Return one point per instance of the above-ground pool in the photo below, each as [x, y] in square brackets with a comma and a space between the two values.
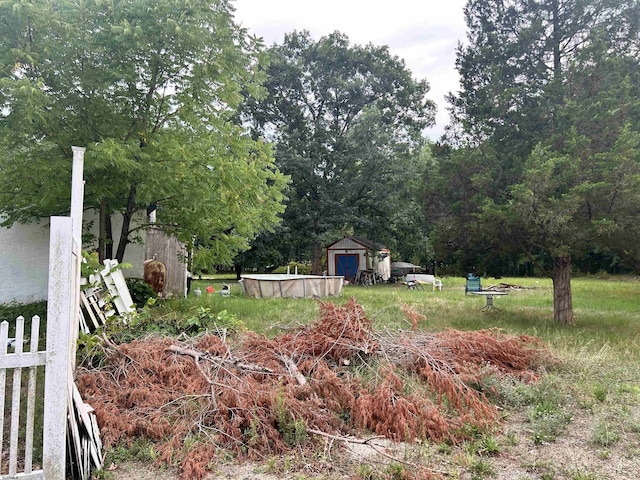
[290, 286]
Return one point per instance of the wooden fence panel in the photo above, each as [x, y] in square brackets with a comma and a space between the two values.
[170, 251]
[117, 287]
[61, 312]
[61, 398]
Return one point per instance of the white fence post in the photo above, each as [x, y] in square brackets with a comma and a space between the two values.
[77, 202]
[4, 333]
[77, 192]
[58, 364]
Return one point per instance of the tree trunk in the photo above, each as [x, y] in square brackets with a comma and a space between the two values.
[562, 303]
[557, 64]
[105, 233]
[102, 232]
[126, 224]
[108, 248]
[124, 236]
[316, 259]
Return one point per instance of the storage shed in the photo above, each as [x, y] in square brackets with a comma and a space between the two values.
[348, 256]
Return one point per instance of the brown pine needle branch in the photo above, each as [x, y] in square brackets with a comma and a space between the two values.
[416, 385]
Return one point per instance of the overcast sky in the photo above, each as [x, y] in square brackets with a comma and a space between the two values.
[424, 33]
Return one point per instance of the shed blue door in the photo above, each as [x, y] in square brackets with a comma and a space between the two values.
[347, 265]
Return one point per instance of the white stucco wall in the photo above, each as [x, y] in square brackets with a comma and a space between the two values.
[24, 261]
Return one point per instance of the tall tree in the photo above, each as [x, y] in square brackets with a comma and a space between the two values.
[530, 74]
[150, 88]
[514, 62]
[566, 202]
[345, 119]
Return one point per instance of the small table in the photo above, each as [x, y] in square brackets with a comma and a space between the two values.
[488, 294]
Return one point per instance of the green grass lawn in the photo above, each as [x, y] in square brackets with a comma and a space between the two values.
[584, 408]
[581, 413]
[607, 311]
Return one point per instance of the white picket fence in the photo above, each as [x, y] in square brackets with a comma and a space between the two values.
[57, 359]
[32, 359]
[18, 353]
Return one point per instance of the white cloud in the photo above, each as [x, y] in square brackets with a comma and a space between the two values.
[424, 33]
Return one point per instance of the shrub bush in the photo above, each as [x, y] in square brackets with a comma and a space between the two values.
[140, 291]
[10, 311]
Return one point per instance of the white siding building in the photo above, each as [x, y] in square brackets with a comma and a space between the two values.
[24, 261]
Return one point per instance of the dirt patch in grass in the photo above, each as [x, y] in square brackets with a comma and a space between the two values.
[573, 455]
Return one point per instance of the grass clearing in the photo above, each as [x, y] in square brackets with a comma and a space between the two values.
[606, 310]
[583, 413]
[580, 421]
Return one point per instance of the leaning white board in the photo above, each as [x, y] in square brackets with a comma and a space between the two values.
[114, 280]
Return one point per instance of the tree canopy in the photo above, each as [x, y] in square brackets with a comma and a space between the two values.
[547, 127]
[151, 90]
[347, 123]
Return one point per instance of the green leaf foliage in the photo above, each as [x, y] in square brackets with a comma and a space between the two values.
[151, 89]
[544, 129]
[347, 123]
[542, 163]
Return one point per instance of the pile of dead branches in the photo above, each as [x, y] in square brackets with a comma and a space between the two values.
[257, 397]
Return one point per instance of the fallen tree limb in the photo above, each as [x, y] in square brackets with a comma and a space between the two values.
[219, 360]
[362, 441]
[293, 368]
[378, 450]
